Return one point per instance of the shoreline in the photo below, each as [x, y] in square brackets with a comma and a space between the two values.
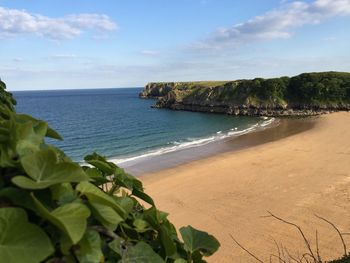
[275, 130]
[294, 177]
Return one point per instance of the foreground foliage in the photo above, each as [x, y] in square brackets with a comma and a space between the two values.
[55, 210]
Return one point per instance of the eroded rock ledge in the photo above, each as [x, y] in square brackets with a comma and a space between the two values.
[302, 95]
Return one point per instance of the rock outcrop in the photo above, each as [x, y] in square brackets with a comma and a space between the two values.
[156, 90]
[305, 94]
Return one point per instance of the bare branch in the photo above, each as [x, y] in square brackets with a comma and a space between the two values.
[301, 233]
[305, 255]
[317, 249]
[339, 233]
[291, 257]
[246, 250]
[278, 251]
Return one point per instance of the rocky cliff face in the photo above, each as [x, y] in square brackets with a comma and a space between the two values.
[156, 90]
[306, 94]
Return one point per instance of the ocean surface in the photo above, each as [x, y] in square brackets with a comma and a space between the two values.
[119, 125]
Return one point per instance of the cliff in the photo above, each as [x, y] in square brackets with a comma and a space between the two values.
[305, 94]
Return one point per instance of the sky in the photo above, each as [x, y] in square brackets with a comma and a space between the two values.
[76, 44]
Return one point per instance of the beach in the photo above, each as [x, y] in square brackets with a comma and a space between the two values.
[294, 177]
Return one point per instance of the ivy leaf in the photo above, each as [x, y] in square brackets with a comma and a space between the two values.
[200, 241]
[141, 253]
[44, 171]
[118, 245]
[141, 225]
[96, 176]
[71, 218]
[28, 136]
[21, 240]
[18, 197]
[63, 193]
[53, 134]
[100, 162]
[126, 180]
[143, 196]
[89, 248]
[96, 195]
[108, 217]
[49, 131]
[125, 202]
[168, 243]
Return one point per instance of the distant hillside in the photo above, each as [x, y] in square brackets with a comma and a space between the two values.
[305, 94]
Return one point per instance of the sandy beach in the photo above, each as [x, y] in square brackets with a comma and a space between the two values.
[294, 177]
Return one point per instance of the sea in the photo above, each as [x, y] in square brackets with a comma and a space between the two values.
[117, 124]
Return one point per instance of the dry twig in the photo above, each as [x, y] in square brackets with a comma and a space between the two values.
[339, 233]
[307, 243]
[246, 250]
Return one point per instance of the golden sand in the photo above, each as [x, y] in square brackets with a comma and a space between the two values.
[294, 178]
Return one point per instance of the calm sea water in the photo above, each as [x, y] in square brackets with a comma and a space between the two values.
[119, 125]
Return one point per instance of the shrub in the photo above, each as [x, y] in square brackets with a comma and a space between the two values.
[53, 209]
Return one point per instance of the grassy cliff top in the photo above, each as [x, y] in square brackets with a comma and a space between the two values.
[312, 89]
[207, 83]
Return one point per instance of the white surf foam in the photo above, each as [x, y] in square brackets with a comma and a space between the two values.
[195, 142]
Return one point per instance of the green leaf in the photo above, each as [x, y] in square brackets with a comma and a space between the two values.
[53, 134]
[100, 162]
[168, 243]
[49, 131]
[143, 196]
[196, 240]
[126, 180]
[108, 217]
[71, 218]
[141, 225]
[28, 136]
[18, 197]
[180, 260]
[63, 193]
[151, 215]
[96, 176]
[44, 171]
[89, 248]
[141, 253]
[118, 245]
[20, 240]
[96, 195]
[103, 166]
[125, 202]
[155, 217]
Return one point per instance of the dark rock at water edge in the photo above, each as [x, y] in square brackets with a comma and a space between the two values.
[303, 95]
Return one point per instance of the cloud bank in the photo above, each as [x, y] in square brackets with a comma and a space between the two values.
[14, 22]
[277, 23]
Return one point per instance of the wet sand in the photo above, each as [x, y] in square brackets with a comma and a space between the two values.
[294, 177]
[281, 128]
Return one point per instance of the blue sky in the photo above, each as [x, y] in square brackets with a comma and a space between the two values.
[105, 44]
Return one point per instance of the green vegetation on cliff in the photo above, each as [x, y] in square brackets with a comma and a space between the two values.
[55, 210]
[325, 91]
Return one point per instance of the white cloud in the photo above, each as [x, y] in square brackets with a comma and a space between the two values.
[277, 23]
[15, 22]
[64, 56]
[111, 75]
[149, 52]
[17, 59]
